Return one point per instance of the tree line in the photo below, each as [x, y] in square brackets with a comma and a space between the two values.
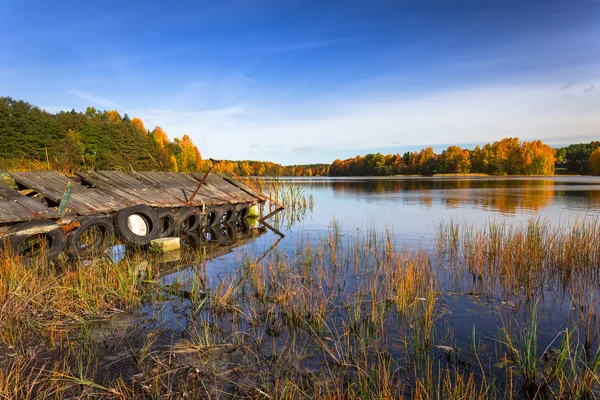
[67, 141]
[33, 138]
[36, 139]
[506, 157]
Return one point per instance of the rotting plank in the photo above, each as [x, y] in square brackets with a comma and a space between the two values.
[11, 212]
[134, 187]
[217, 183]
[84, 201]
[224, 185]
[184, 186]
[33, 208]
[247, 189]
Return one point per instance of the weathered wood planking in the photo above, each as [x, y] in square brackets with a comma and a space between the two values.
[83, 201]
[211, 192]
[247, 189]
[15, 207]
[134, 188]
[235, 194]
[183, 186]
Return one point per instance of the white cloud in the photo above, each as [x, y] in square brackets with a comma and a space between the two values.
[480, 115]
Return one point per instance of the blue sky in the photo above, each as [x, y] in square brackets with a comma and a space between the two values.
[303, 81]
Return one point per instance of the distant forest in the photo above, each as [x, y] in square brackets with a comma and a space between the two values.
[32, 138]
[506, 157]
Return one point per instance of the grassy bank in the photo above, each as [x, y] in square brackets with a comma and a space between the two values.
[335, 316]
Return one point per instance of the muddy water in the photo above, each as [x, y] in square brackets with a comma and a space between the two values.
[406, 210]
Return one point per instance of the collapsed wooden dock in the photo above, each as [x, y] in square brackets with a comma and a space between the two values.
[166, 202]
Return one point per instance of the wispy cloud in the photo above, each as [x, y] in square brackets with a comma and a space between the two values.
[461, 117]
[304, 149]
[98, 100]
[310, 45]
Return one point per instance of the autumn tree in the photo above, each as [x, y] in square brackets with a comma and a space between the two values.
[114, 116]
[139, 126]
[594, 162]
[455, 160]
[190, 159]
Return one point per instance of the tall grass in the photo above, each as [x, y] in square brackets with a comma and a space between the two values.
[332, 317]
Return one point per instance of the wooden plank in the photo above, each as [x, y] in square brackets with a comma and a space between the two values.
[84, 201]
[182, 186]
[13, 212]
[216, 183]
[135, 188]
[91, 179]
[36, 209]
[246, 189]
[230, 189]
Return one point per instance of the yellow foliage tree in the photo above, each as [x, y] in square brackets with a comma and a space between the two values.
[160, 136]
[595, 162]
[114, 116]
[139, 125]
[173, 162]
[190, 156]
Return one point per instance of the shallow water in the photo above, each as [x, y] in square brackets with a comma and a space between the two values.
[410, 210]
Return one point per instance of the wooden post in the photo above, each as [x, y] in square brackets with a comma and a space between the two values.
[189, 202]
[62, 208]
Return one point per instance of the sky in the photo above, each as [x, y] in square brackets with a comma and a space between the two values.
[298, 82]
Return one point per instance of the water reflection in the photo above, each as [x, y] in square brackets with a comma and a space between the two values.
[507, 196]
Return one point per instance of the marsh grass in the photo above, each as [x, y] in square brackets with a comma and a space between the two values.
[332, 317]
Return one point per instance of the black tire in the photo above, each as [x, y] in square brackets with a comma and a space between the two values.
[228, 213]
[24, 239]
[212, 234]
[213, 216]
[187, 219]
[193, 240]
[166, 222]
[78, 243]
[123, 229]
[223, 235]
[242, 211]
[243, 227]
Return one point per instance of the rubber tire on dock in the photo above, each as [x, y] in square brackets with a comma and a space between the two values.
[213, 216]
[242, 211]
[187, 219]
[124, 232]
[16, 235]
[243, 227]
[102, 223]
[166, 221]
[228, 214]
[226, 234]
[193, 240]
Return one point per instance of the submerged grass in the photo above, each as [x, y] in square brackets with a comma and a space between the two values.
[333, 317]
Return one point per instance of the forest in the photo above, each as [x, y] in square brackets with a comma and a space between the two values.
[506, 157]
[69, 140]
[34, 139]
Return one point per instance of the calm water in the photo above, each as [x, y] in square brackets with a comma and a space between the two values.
[411, 209]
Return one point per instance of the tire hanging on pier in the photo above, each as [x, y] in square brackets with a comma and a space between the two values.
[166, 221]
[228, 214]
[187, 219]
[35, 238]
[242, 211]
[213, 216]
[136, 225]
[93, 235]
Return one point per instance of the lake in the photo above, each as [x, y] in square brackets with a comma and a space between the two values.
[484, 262]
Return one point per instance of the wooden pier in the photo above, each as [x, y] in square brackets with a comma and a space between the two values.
[165, 202]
